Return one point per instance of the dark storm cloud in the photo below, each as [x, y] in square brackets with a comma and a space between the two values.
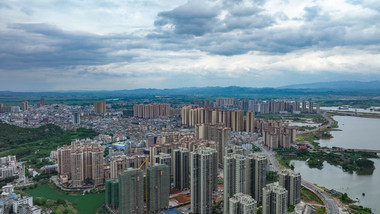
[244, 29]
[195, 26]
[42, 45]
[191, 18]
[200, 18]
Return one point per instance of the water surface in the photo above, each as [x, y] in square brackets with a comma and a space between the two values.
[357, 133]
[354, 185]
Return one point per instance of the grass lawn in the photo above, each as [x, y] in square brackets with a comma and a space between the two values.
[88, 203]
[309, 196]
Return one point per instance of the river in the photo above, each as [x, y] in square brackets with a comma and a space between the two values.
[357, 133]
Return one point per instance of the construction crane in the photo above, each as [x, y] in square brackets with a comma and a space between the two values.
[146, 181]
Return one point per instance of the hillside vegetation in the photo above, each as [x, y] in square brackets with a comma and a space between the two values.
[27, 143]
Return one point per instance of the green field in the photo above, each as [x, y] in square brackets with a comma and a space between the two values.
[88, 203]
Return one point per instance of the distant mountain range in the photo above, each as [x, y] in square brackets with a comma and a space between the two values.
[338, 85]
[345, 88]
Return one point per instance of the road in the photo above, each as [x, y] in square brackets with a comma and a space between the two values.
[329, 124]
[331, 205]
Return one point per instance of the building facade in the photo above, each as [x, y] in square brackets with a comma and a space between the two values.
[242, 204]
[275, 200]
[181, 167]
[291, 181]
[100, 107]
[202, 179]
[158, 188]
[131, 192]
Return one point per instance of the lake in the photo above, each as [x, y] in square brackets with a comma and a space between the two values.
[357, 133]
[354, 185]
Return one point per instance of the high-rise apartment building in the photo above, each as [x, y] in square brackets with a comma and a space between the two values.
[151, 110]
[24, 105]
[158, 188]
[291, 181]
[82, 163]
[42, 101]
[166, 159]
[250, 122]
[181, 167]
[276, 135]
[256, 170]
[234, 177]
[203, 164]
[205, 103]
[237, 120]
[247, 105]
[167, 148]
[224, 102]
[296, 106]
[311, 106]
[100, 107]
[275, 200]
[131, 192]
[112, 194]
[318, 108]
[63, 157]
[242, 204]
[218, 132]
[76, 117]
[192, 116]
[304, 108]
[120, 163]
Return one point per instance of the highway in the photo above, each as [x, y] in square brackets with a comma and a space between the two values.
[331, 205]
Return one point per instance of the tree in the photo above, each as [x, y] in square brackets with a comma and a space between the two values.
[106, 152]
[365, 163]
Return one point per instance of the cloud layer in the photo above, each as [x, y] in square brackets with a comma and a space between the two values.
[55, 45]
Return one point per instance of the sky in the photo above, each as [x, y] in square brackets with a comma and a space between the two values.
[53, 45]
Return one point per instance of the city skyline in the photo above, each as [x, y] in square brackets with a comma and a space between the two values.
[140, 44]
[197, 156]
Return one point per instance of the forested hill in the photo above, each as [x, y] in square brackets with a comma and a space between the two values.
[26, 143]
